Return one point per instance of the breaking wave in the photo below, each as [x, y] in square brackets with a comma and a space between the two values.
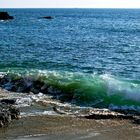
[102, 91]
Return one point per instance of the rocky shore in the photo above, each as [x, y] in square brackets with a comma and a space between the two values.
[18, 85]
[99, 124]
[7, 113]
[28, 85]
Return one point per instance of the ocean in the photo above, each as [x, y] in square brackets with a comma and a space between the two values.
[85, 57]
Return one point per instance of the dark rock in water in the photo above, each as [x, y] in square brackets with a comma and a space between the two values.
[21, 85]
[36, 86]
[5, 79]
[107, 114]
[136, 121]
[35, 91]
[44, 89]
[66, 97]
[8, 101]
[14, 112]
[48, 17]
[4, 118]
[7, 113]
[5, 16]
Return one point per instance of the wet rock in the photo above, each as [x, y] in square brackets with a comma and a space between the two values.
[48, 17]
[8, 86]
[107, 114]
[14, 112]
[35, 91]
[44, 89]
[7, 114]
[4, 118]
[5, 79]
[53, 91]
[16, 83]
[36, 86]
[22, 85]
[137, 121]
[58, 110]
[8, 101]
[65, 97]
[5, 16]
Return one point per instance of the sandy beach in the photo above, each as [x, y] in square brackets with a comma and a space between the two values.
[63, 127]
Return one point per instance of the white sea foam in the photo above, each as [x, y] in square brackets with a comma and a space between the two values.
[24, 101]
[128, 90]
[38, 113]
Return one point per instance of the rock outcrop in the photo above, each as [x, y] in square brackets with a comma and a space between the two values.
[5, 16]
[8, 112]
[48, 17]
[23, 84]
[107, 114]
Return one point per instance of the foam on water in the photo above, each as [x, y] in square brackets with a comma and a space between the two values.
[26, 114]
[128, 89]
[83, 89]
[24, 101]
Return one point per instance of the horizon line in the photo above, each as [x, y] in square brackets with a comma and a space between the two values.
[68, 8]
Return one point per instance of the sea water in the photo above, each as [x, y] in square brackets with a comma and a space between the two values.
[90, 54]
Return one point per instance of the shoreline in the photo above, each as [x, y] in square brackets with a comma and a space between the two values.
[99, 125]
[65, 127]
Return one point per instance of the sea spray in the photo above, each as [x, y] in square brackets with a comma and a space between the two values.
[102, 91]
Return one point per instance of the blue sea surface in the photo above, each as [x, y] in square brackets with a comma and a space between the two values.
[92, 55]
[77, 40]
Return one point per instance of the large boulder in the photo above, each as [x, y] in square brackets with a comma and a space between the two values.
[5, 16]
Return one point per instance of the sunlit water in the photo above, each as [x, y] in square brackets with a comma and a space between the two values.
[91, 53]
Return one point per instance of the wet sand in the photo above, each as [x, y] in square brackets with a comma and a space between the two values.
[63, 127]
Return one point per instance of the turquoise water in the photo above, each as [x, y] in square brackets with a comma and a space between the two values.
[92, 55]
[102, 91]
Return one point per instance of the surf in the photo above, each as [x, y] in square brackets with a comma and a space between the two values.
[94, 90]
